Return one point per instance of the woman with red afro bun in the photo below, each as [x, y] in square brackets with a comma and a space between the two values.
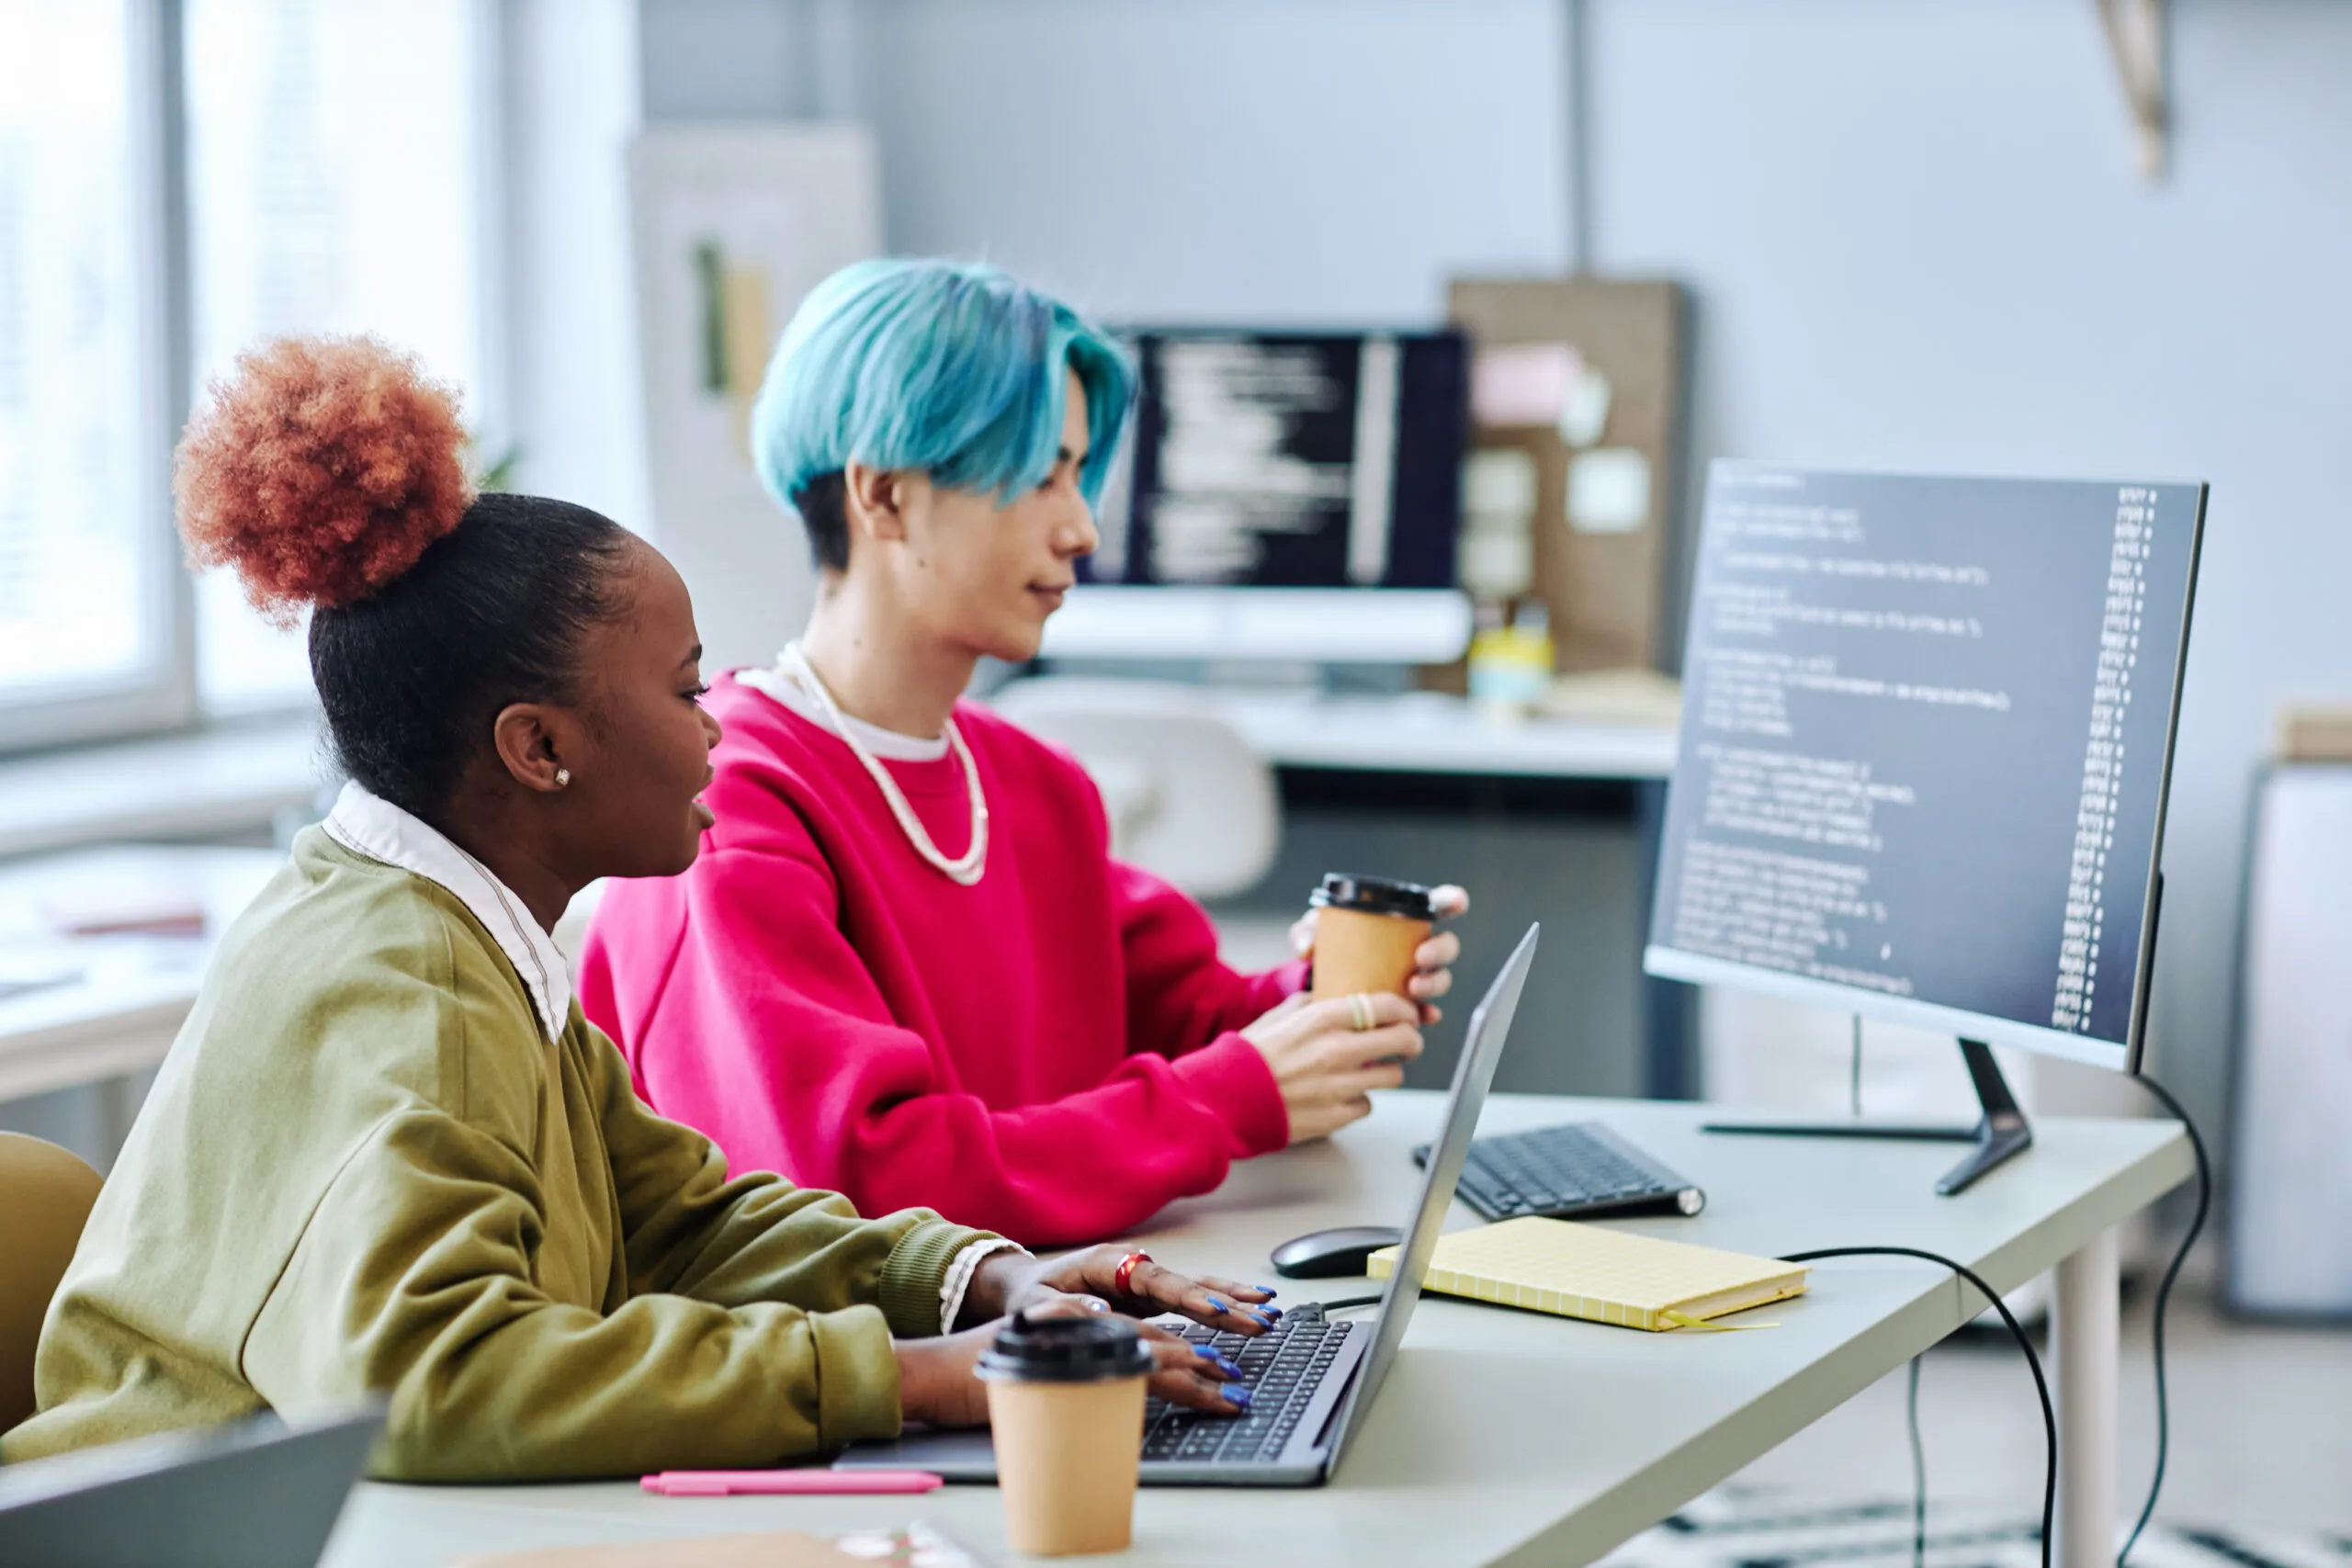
[386, 1155]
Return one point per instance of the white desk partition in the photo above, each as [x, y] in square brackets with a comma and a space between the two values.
[1508, 1436]
[2289, 1252]
[1412, 625]
[1429, 732]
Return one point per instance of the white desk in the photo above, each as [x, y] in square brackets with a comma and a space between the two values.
[1509, 1436]
[126, 995]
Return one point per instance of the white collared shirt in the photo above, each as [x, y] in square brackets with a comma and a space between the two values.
[367, 824]
[777, 684]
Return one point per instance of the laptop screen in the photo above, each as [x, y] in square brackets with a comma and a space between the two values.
[1482, 1047]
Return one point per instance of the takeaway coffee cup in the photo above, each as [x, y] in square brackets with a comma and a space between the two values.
[1066, 1404]
[1366, 931]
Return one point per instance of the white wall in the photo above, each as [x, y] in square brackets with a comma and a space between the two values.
[1298, 159]
[1914, 234]
[570, 101]
[1917, 242]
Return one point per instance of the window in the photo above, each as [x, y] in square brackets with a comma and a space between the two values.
[85, 595]
[332, 160]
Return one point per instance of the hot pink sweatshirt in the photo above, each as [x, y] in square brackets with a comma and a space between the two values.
[1047, 1054]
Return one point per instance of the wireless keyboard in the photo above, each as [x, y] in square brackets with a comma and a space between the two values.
[1566, 1173]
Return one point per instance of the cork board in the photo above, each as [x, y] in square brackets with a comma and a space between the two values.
[1607, 592]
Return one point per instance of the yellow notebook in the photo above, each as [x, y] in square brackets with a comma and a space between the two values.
[1606, 1276]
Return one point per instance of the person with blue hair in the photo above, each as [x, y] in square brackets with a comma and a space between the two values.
[905, 965]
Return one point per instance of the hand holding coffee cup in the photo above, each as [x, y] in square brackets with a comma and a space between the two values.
[1373, 935]
[1327, 1057]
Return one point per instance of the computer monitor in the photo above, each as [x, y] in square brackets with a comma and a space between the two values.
[1926, 736]
[1291, 496]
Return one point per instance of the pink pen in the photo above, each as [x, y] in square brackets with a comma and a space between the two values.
[787, 1482]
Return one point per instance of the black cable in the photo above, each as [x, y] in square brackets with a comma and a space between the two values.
[1919, 1474]
[2164, 1295]
[1346, 1301]
[2016, 1332]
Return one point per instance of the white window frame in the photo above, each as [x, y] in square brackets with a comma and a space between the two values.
[164, 696]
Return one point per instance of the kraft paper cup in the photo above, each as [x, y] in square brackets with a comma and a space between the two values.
[1366, 931]
[1065, 1401]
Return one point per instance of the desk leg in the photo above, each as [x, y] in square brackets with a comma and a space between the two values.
[2086, 1334]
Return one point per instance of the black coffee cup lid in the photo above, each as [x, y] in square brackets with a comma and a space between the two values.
[1374, 896]
[1066, 1349]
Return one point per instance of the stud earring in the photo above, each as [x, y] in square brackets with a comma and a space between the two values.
[563, 778]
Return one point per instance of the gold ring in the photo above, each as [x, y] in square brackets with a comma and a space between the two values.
[1360, 1011]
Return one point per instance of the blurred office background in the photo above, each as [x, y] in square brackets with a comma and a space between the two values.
[1933, 237]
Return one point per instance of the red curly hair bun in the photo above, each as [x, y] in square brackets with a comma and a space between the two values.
[321, 469]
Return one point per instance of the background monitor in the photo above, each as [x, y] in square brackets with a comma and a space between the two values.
[1927, 736]
[1272, 481]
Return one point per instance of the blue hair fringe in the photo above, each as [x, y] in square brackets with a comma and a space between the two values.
[953, 369]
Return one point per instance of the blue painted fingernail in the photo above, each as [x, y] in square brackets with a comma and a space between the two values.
[1266, 1291]
[1231, 1368]
[1208, 1353]
[1235, 1394]
[1261, 1317]
[1219, 1305]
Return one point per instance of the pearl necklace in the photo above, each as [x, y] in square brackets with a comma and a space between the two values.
[965, 869]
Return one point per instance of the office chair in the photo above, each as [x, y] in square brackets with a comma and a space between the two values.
[1188, 799]
[46, 1193]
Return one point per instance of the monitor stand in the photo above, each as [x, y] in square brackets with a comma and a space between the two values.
[2000, 1135]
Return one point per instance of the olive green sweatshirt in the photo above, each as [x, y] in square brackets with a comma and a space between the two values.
[377, 1160]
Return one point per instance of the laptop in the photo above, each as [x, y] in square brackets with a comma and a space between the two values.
[1315, 1378]
[260, 1493]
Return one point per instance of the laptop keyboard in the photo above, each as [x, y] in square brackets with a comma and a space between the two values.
[1566, 1170]
[1281, 1369]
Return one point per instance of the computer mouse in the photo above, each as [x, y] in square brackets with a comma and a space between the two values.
[1322, 1254]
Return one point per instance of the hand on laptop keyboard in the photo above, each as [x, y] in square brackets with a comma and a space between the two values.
[1014, 1281]
[937, 1383]
[1281, 1370]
